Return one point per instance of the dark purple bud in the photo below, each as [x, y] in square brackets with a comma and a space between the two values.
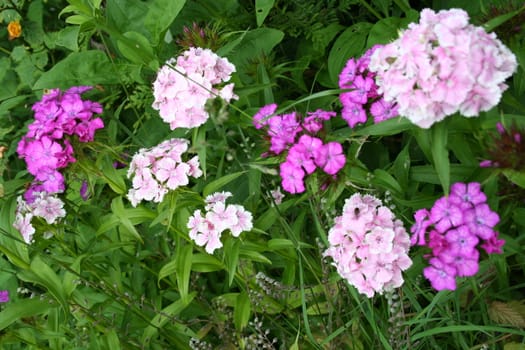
[84, 190]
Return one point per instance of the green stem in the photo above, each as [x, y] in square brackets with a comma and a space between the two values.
[6, 51]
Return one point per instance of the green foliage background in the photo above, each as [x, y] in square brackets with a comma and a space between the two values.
[118, 277]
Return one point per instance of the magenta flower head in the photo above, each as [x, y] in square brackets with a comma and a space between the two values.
[457, 226]
[440, 275]
[330, 157]
[46, 148]
[292, 178]
[260, 119]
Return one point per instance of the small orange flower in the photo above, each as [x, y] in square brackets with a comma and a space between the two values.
[14, 29]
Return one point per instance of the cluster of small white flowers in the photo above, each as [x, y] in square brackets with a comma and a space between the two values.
[44, 205]
[185, 83]
[159, 169]
[369, 245]
[206, 230]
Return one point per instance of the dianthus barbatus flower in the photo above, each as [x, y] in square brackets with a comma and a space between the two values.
[157, 170]
[456, 225]
[369, 246]
[46, 147]
[185, 83]
[442, 65]
[206, 229]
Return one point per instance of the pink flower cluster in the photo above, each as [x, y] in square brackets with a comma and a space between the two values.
[369, 245]
[456, 225]
[185, 83]
[306, 152]
[443, 65]
[45, 148]
[44, 205]
[159, 169]
[206, 230]
[363, 95]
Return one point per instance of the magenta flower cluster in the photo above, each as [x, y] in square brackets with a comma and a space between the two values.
[206, 230]
[184, 85]
[46, 148]
[443, 65]
[369, 246]
[157, 170]
[364, 94]
[44, 205]
[306, 152]
[453, 229]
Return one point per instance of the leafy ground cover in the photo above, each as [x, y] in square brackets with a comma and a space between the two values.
[262, 174]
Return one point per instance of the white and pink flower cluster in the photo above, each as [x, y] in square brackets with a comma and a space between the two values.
[206, 230]
[159, 169]
[369, 246]
[443, 65]
[184, 85]
[44, 205]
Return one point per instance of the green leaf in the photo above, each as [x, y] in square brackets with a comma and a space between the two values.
[387, 181]
[117, 207]
[70, 278]
[260, 41]
[136, 48]
[68, 38]
[112, 340]
[242, 310]
[254, 256]
[183, 269]
[497, 21]
[384, 31]
[22, 308]
[135, 215]
[79, 68]
[40, 273]
[385, 128]
[113, 178]
[216, 185]
[262, 9]
[280, 243]
[439, 136]
[232, 248]
[350, 43]
[161, 13]
[199, 143]
[206, 263]
[516, 177]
